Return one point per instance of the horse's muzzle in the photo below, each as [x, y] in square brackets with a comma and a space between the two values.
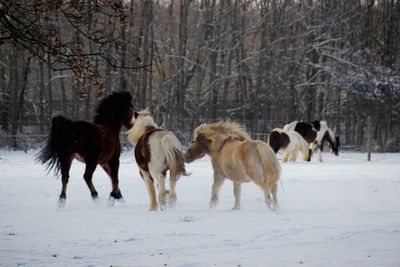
[187, 158]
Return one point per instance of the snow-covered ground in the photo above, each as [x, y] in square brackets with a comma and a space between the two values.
[342, 212]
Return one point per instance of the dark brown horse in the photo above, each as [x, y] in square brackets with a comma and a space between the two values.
[93, 143]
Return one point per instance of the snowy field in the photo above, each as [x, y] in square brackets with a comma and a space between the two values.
[342, 212]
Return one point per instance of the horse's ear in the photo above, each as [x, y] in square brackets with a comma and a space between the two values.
[135, 115]
[128, 95]
[148, 109]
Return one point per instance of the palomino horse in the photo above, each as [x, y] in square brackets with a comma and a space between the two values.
[93, 143]
[156, 151]
[290, 143]
[316, 134]
[236, 157]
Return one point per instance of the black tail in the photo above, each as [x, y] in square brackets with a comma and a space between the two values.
[58, 147]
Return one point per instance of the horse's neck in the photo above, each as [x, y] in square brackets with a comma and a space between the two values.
[140, 129]
[326, 137]
[331, 139]
[115, 129]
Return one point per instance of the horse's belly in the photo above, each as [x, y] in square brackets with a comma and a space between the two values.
[240, 179]
[236, 175]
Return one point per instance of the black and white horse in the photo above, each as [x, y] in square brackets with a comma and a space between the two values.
[316, 134]
[290, 143]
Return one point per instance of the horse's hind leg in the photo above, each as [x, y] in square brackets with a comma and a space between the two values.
[161, 190]
[111, 169]
[274, 192]
[88, 175]
[150, 189]
[172, 193]
[116, 192]
[267, 192]
[65, 167]
[218, 181]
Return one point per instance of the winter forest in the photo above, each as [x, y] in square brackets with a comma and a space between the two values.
[263, 63]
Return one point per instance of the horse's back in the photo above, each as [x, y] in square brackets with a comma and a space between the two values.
[290, 126]
[164, 145]
[241, 160]
[95, 142]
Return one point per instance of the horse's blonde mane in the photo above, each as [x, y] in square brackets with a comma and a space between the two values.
[141, 124]
[228, 129]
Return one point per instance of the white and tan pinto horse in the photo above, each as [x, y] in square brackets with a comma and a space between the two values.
[236, 157]
[290, 143]
[316, 134]
[156, 151]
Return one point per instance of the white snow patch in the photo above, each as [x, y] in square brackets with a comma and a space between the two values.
[342, 212]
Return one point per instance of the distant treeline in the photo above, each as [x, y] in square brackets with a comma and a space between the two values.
[263, 63]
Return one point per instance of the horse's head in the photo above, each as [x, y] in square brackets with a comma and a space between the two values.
[126, 108]
[335, 146]
[126, 120]
[278, 140]
[142, 115]
[198, 148]
[115, 109]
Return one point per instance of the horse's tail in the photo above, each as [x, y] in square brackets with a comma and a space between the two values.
[58, 144]
[269, 162]
[173, 155]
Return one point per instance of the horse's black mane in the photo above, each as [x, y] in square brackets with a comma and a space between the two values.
[113, 108]
[303, 128]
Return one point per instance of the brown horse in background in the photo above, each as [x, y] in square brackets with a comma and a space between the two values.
[93, 143]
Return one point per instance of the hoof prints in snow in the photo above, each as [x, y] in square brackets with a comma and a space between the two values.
[188, 219]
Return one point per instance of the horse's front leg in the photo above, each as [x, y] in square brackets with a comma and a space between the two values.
[274, 192]
[285, 157]
[292, 156]
[316, 146]
[236, 191]
[218, 181]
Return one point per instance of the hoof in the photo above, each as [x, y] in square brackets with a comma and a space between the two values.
[171, 204]
[271, 206]
[111, 201]
[94, 195]
[153, 208]
[236, 208]
[121, 200]
[212, 205]
[95, 200]
[163, 206]
[61, 203]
